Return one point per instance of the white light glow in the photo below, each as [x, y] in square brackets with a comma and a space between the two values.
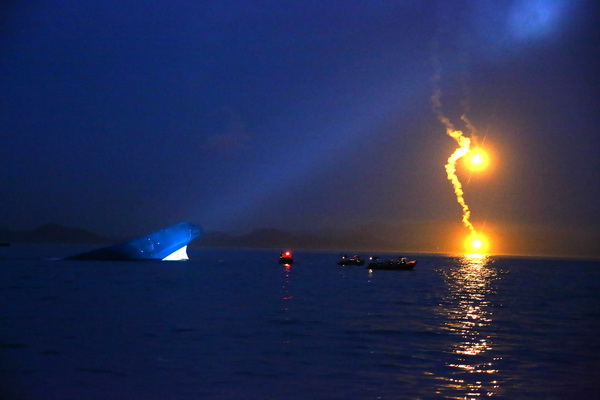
[177, 255]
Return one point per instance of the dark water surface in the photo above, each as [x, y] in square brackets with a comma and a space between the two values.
[234, 324]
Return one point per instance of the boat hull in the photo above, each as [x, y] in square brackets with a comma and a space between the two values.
[350, 262]
[393, 265]
[167, 244]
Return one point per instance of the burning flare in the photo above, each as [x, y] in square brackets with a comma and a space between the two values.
[476, 244]
[478, 161]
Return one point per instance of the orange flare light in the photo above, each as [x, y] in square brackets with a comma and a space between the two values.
[477, 160]
[476, 244]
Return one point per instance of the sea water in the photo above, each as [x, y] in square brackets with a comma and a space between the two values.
[235, 324]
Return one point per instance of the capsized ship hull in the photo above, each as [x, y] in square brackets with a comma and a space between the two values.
[168, 244]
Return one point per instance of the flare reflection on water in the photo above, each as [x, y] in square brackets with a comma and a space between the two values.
[285, 290]
[467, 315]
[286, 299]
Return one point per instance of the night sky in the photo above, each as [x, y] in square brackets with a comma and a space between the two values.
[123, 117]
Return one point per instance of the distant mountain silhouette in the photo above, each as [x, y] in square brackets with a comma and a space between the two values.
[437, 237]
[407, 237]
[276, 238]
[51, 233]
[374, 237]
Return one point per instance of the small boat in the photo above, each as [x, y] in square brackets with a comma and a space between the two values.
[354, 260]
[285, 257]
[400, 265]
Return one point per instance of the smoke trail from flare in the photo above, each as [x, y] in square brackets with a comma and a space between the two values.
[464, 147]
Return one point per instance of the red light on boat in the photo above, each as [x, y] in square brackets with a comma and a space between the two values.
[288, 253]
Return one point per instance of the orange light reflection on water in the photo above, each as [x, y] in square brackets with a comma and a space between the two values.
[467, 314]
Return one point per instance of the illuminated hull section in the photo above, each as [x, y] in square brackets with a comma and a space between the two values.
[168, 244]
[178, 255]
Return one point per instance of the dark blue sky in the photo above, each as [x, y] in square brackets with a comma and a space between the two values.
[126, 116]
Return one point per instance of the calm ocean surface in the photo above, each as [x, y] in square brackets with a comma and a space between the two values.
[234, 324]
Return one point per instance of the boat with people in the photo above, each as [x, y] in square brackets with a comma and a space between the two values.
[354, 260]
[285, 257]
[400, 264]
